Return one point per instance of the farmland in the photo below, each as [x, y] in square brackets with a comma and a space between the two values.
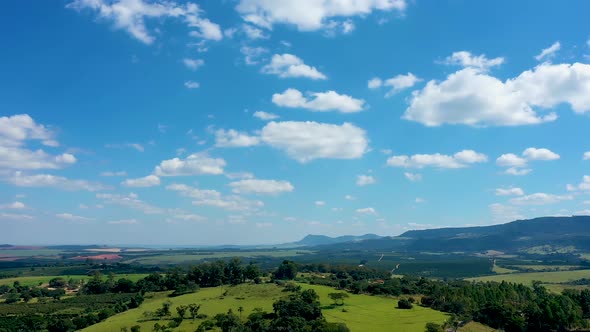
[544, 277]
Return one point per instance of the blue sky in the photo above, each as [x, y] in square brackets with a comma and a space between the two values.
[259, 121]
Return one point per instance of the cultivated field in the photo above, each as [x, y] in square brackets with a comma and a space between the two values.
[34, 281]
[379, 313]
[544, 277]
[163, 259]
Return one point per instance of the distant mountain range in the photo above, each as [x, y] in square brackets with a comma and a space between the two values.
[533, 234]
[316, 240]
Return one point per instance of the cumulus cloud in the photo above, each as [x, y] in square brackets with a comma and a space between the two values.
[116, 173]
[131, 201]
[306, 141]
[72, 217]
[20, 179]
[319, 203]
[123, 222]
[473, 98]
[265, 116]
[256, 186]
[135, 146]
[312, 15]
[548, 52]
[319, 101]
[233, 138]
[582, 186]
[509, 192]
[517, 165]
[193, 64]
[540, 199]
[467, 60]
[194, 164]
[364, 180]
[586, 155]
[459, 160]
[396, 83]
[367, 210]
[289, 65]
[253, 32]
[14, 205]
[191, 85]
[146, 181]
[131, 16]
[252, 55]
[213, 198]
[414, 177]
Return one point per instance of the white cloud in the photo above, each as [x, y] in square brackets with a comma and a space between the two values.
[509, 192]
[374, 83]
[135, 146]
[71, 217]
[131, 201]
[233, 138]
[289, 65]
[458, 160]
[586, 155]
[540, 154]
[517, 164]
[367, 210]
[511, 160]
[14, 205]
[320, 101]
[21, 127]
[123, 222]
[504, 213]
[194, 164]
[517, 171]
[192, 85]
[252, 54]
[319, 203]
[540, 199]
[548, 52]
[213, 198]
[193, 64]
[256, 186]
[583, 186]
[46, 180]
[189, 217]
[476, 99]
[311, 15]
[130, 15]
[265, 116]
[364, 180]
[117, 173]
[419, 200]
[253, 32]
[239, 175]
[14, 216]
[306, 141]
[146, 181]
[414, 177]
[12, 157]
[263, 224]
[467, 60]
[349, 198]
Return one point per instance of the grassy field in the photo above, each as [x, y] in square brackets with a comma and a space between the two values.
[546, 267]
[363, 311]
[33, 281]
[545, 277]
[502, 270]
[29, 253]
[184, 257]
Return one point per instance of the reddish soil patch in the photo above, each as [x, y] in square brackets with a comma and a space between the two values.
[108, 257]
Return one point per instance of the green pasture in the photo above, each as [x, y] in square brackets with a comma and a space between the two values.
[544, 277]
[363, 312]
[166, 258]
[34, 281]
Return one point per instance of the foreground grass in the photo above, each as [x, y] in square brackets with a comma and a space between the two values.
[363, 312]
[34, 281]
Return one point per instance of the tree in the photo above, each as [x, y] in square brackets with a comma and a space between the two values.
[193, 308]
[338, 297]
[135, 328]
[164, 311]
[405, 303]
[240, 310]
[181, 310]
[286, 271]
[252, 271]
[433, 327]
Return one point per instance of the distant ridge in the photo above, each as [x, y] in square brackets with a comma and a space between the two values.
[518, 235]
[316, 240]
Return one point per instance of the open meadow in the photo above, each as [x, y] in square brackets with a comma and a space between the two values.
[380, 313]
[34, 281]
